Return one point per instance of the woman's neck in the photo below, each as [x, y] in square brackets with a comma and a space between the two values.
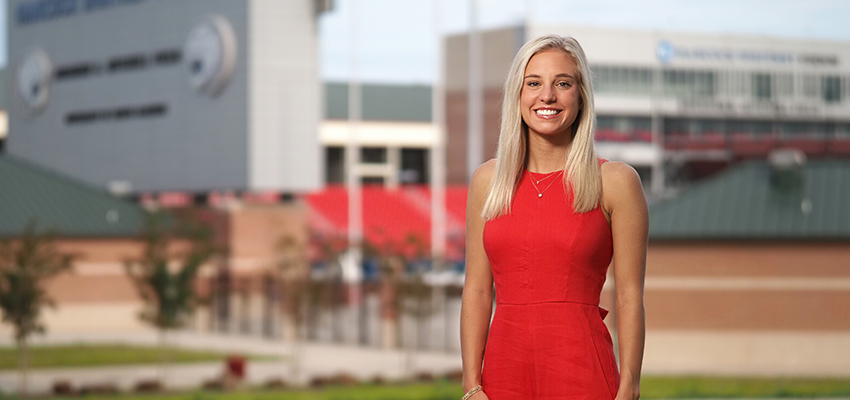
[545, 155]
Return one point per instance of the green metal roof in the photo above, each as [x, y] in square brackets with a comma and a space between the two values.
[72, 208]
[381, 102]
[749, 202]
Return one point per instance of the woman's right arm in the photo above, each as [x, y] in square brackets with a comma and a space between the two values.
[477, 302]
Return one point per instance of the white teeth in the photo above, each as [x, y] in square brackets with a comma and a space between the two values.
[546, 112]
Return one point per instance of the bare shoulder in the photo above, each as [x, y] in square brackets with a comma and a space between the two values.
[479, 185]
[620, 182]
[618, 173]
[485, 171]
[483, 175]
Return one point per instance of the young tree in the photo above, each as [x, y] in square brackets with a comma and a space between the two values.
[294, 272]
[402, 292]
[165, 278]
[25, 264]
[327, 293]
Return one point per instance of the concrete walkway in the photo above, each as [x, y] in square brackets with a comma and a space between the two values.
[317, 360]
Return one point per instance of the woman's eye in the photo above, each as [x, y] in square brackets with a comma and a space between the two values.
[533, 84]
[564, 84]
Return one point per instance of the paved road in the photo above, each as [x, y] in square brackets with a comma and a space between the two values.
[317, 360]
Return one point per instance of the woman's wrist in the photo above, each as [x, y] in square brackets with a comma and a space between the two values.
[470, 382]
[471, 392]
[629, 389]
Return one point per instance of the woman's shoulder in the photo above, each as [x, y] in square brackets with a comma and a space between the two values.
[480, 183]
[619, 180]
[616, 169]
[483, 175]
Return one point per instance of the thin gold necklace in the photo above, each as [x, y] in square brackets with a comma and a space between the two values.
[549, 175]
[539, 193]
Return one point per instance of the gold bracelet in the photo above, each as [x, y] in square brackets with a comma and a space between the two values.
[471, 392]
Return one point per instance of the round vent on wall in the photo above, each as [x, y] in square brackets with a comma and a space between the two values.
[210, 55]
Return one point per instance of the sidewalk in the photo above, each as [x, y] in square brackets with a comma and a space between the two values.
[317, 360]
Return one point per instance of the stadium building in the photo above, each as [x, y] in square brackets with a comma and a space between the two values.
[211, 102]
[142, 95]
[676, 106]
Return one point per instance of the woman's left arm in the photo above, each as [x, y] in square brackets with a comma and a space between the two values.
[625, 203]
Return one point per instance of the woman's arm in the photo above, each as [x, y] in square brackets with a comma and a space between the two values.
[476, 307]
[625, 203]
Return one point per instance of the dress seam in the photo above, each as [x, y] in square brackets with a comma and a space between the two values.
[548, 302]
[600, 358]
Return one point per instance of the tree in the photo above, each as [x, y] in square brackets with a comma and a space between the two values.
[327, 293]
[401, 291]
[25, 264]
[294, 271]
[168, 289]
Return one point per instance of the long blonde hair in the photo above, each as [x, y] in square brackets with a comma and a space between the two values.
[581, 169]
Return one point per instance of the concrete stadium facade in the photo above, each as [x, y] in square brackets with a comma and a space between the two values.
[142, 96]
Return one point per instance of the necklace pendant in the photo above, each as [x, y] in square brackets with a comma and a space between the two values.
[539, 194]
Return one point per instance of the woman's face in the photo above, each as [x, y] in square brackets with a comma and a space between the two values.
[550, 97]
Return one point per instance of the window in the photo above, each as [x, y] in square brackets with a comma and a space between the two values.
[810, 86]
[641, 123]
[846, 84]
[703, 126]
[831, 89]
[689, 83]
[414, 166]
[739, 127]
[785, 85]
[675, 127]
[373, 155]
[334, 165]
[704, 84]
[372, 180]
[762, 128]
[842, 131]
[621, 80]
[604, 122]
[762, 86]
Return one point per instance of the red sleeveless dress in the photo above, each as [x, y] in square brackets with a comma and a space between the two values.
[547, 339]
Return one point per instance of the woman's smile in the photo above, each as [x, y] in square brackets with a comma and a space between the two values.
[547, 113]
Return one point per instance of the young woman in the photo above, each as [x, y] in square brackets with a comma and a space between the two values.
[545, 218]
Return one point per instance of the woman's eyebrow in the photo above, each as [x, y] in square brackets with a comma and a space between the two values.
[557, 76]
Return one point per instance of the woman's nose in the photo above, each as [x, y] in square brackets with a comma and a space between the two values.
[547, 95]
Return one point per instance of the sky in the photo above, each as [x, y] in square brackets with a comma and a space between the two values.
[396, 40]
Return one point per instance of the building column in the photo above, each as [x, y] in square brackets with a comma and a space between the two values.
[393, 167]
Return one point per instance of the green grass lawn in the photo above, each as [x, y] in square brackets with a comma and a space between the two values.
[671, 387]
[652, 388]
[82, 355]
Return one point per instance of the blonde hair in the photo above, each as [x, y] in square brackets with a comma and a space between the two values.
[581, 169]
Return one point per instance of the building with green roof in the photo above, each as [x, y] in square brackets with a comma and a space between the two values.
[72, 208]
[748, 272]
[99, 228]
[756, 201]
